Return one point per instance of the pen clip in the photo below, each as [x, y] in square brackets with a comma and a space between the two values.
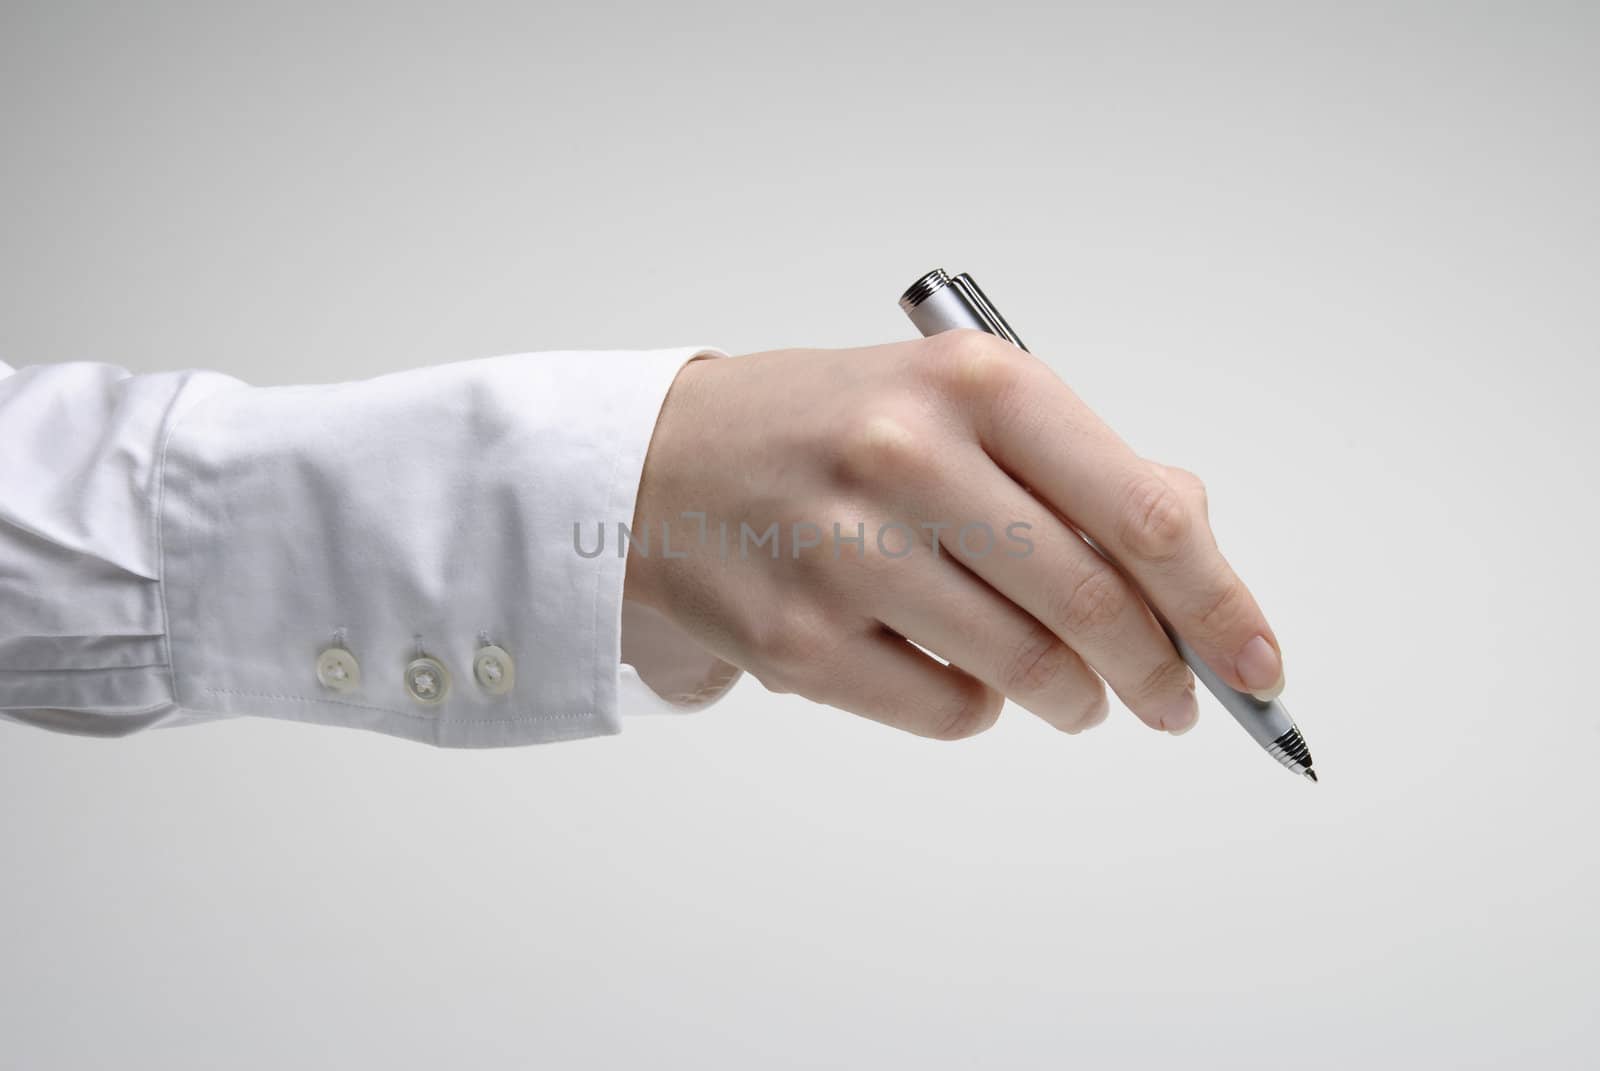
[980, 303]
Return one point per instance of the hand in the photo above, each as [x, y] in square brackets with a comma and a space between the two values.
[918, 448]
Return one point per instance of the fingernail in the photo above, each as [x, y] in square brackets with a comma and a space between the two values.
[1181, 716]
[1259, 666]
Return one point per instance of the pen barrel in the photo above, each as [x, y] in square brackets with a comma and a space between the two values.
[936, 302]
[1265, 722]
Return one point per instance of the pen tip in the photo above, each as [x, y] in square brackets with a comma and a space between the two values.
[1310, 773]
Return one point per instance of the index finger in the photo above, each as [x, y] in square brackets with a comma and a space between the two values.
[1040, 431]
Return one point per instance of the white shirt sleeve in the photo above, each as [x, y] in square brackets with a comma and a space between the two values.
[396, 554]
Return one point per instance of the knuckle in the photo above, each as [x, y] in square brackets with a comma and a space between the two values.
[1168, 677]
[976, 712]
[1037, 663]
[1223, 609]
[1185, 479]
[1091, 605]
[976, 363]
[965, 341]
[1194, 487]
[882, 447]
[1156, 522]
[1179, 475]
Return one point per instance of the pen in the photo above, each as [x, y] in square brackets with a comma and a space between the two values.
[937, 302]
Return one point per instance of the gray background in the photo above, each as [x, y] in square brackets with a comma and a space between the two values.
[1341, 260]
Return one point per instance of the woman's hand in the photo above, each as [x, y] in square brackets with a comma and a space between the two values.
[824, 507]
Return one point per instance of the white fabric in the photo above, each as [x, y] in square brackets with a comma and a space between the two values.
[181, 546]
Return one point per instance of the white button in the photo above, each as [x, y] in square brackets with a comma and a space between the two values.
[338, 670]
[494, 669]
[427, 680]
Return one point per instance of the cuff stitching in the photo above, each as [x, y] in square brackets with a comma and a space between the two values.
[443, 722]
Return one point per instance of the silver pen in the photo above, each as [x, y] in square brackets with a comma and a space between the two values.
[936, 302]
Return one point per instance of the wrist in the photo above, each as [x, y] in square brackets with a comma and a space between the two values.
[668, 462]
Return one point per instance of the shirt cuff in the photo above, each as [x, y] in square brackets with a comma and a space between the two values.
[425, 515]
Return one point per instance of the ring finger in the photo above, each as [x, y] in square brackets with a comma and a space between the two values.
[940, 606]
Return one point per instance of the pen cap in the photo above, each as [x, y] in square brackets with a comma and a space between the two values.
[936, 303]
